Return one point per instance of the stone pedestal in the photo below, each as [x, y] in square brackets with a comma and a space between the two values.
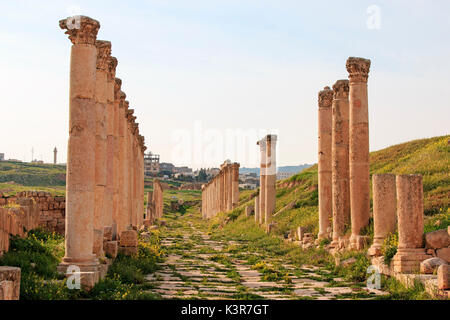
[384, 210]
[411, 251]
[324, 163]
[80, 179]
[358, 69]
[340, 167]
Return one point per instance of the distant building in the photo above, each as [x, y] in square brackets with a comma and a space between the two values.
[183, 170]
[284, 175]
[166, 167]
[2, 157]
[247, 186]
[151, 164]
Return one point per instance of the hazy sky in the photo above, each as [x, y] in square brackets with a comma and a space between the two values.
[204, 75]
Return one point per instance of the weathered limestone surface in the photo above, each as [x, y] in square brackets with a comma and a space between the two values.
[384, 209]
[158, 198]
[262, 180]
[9, 283]
[80, 180]
[324, 163]
[443, 273]
[358, 69]
[257, 210]
[340, 160]
[411, 251]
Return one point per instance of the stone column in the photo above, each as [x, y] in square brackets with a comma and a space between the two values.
[110, 114]
[117, 195]
[411, 251]
[271, 176]
[81, 147]
[229, 186]
[101, 95]
[221, 190]
[358, 69]
[384, 210]
[235, 185]
[257, 209]
[128, 170]
[339, 154]
[324, 162]
[121, 219]
[262, 180]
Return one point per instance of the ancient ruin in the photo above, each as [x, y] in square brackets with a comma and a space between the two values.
[222, 192]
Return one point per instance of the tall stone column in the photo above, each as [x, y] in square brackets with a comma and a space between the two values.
[411, 251]
[339, 154]
[271, 176]
[235, 185]
[324, 162]
[101, 95]
[203, 201]
[110, 114]
[128, 169]
[384, 210]
[221, 190]
[121, 218]
[117, 195]
[262, 180]
[80, 180]
[358, 69]
[229, 189]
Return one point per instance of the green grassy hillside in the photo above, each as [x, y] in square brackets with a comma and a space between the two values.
[429, 157]
[32, 174]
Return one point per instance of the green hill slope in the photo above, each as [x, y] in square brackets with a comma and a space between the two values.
[297, 197]
[32, 174]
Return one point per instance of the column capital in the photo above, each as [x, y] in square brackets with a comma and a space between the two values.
[103, 54]
[81, 29]
[271, 137]
[341, 89]
[325, 97]
[112, 64]
[358, 69]
[117, 87]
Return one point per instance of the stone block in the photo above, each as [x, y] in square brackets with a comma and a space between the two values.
[437, 239]
[111, 248]
[430, 265]
[147, 222]
[107, 233]
[129, 238]
[444, 254]
[98, 242]
[443, 274]
[9, 283]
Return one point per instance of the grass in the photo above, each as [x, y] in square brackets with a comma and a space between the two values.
[32, 174]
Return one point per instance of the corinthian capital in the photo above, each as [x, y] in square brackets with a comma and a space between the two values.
[341, 89]
[325, 97]
[103, 54]
[81, 29]
[117, 87]
[358, 69]
[112, 65]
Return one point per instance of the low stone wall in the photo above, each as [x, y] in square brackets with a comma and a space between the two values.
[52, 210]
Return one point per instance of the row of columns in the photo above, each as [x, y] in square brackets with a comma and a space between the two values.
[343, 159]
[105, 161]
[265, 201]
[222, 192]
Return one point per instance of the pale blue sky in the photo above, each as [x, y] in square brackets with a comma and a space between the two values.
[231, 65]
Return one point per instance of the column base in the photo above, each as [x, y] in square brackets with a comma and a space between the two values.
[323, 235]
[358, 242]
[90, 272]
[408, 260]
[375, 249]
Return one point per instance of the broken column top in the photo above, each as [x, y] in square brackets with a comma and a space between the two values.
[81, 29]
[325, 97]
[103, 54]
[358, 69]
[269, 137]
[341, 89]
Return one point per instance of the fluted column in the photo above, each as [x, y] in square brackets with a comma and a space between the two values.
[123, 176]
[81, 146]
[262, 180]
[229, 189]
[324, 162]
[340, 169]
[271, 176]
[117, 195]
